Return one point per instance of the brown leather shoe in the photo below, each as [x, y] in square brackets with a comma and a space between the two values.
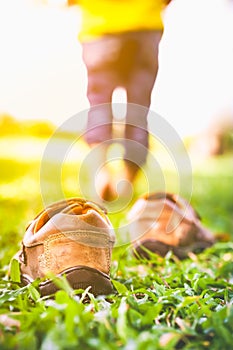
[162, 221]
[74, 238]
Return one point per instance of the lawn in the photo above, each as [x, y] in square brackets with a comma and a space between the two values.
[163, 303]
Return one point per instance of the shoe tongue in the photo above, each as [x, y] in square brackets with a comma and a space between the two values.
[74, 206]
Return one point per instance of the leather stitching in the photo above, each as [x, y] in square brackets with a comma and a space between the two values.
[67, 234]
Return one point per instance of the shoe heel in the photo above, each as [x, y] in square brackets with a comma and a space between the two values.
[81, 277]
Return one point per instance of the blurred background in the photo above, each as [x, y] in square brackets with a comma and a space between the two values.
[42, 75]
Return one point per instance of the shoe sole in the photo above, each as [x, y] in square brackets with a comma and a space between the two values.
[162, 249]
[79, 277]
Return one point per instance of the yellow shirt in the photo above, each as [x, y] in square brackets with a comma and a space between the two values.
[101, 17]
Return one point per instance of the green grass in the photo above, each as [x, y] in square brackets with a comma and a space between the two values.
[163, 303]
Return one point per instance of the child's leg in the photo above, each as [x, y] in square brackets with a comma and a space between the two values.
[139, 86]
[99, 59]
